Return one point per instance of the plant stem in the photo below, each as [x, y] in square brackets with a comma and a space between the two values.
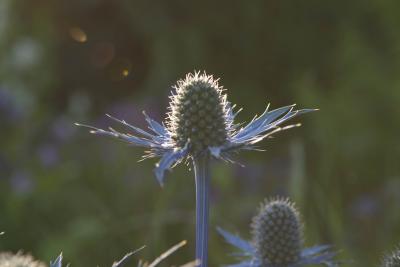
[202, 177]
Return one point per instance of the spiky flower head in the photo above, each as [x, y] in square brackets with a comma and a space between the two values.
[278, 240]
[392, 259]
[8, 259]
[198, 115]
[200, 120]
[277, 233]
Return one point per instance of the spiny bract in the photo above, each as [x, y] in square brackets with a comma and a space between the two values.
[392, 260]
[8, 259]
[198, 113]
[277, 233]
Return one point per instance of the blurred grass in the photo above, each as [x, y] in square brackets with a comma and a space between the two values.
[62, 189]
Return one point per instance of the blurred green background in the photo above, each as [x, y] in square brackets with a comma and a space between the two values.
[62, 189]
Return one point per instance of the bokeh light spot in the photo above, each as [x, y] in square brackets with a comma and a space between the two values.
[78, 34]
[120, 69]
[125, 72]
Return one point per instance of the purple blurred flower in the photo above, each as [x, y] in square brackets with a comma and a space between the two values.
[21, 182]
[365, 206]
[48, 155]
[9, 110]
[62, 129]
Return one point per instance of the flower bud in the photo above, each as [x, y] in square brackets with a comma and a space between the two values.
[277, 233]
[198, 113]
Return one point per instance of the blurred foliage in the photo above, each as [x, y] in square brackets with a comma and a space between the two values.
[67, 61]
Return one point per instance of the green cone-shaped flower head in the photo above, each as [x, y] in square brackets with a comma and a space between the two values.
[8, 259]
[277, 233]
[198, 113]
[392, 260]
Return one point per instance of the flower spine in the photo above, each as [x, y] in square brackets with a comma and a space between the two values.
[277, 233]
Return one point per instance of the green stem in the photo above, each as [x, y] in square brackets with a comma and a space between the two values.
[202, 177]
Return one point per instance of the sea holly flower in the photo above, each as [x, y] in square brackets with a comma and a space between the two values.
[277, 233]
[200, 125]
[200, 120]
[391, 259]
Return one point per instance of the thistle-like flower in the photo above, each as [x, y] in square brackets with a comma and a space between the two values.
[8, 259]
[200, 124]
[200, 120]
[392, 259]
[277, 233]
